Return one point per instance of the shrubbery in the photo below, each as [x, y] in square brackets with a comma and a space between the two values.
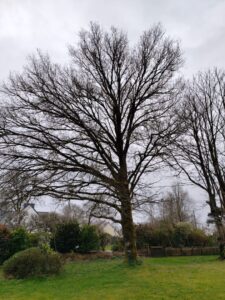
[117, 244]
[66, 237]
[70, 237]
[105, 239]
[89, 240]
[180, 235]
[34, 238]
[12, 242]
[19, 240]
[32, 262]
[38, 238]
[182, 232]
[4, 243]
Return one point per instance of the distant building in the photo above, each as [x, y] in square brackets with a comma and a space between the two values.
[11, 218]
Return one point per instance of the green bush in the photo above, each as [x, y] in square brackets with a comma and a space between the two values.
[67, 237]
[12, 242]
[4, 243]
[19, 240]
[182, 233]
[89, 239]
[117, 244]
[105, 239]
[143, 235]
[36, 239]
[155, 235]
[32, 262]
[198, 238]
[212, 240]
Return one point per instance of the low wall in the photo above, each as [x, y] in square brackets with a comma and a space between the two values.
[158, 251]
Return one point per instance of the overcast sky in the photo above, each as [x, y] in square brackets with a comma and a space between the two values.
[51, 25]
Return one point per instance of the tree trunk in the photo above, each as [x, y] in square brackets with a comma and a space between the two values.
[129, 236]
[128, 229]
[221, 238]
[216, 213]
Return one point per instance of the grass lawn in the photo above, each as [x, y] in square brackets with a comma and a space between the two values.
[159, 278]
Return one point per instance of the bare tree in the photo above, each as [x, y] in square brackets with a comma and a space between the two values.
[175, 206]
[94, 130]
[16, 190]
[46, 222]
[74, 212]
[200, 150]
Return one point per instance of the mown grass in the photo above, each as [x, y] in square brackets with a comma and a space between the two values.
[159, 278]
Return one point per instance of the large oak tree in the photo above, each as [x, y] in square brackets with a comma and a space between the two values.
[93, 130]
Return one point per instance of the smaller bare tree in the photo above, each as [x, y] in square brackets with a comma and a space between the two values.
[46, 222]
[75, 212]
[175, 206]
[199, 152]
[16, 191]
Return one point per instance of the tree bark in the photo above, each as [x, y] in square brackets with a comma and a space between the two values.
[221, 239]
[219, 225]
[128, 229]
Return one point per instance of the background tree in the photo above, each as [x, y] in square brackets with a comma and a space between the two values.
[73, 212]
[200, 150]
[94, 130]
[46, 222]
[16, 191]
[175, 207]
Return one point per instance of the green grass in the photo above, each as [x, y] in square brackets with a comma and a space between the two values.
[159, 278]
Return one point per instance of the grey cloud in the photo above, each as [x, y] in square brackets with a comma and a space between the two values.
[51, 25]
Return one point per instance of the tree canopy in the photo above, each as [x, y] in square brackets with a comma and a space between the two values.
[90, 131]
